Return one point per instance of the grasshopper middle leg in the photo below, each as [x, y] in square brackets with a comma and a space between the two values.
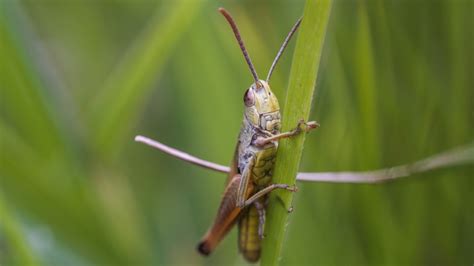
[267, 190]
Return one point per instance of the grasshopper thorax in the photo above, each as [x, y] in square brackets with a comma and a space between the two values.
[261, 107]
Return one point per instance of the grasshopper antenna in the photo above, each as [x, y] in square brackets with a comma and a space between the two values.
[239, 40]
[282, 48]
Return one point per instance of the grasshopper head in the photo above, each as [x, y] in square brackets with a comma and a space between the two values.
[261, 107]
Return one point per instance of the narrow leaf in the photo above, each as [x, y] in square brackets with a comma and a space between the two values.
[297, 106]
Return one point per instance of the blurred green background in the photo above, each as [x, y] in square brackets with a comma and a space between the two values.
[79, 79]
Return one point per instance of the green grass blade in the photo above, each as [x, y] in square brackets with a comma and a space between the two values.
[23, 102]
[34, 193]
[18, 250]
[126, 89]
[297, 106]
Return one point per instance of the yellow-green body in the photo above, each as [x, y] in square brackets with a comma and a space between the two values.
[261, 120]
[250, 175]
[251, 171]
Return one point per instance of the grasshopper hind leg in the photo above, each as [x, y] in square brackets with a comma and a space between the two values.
[227, 216]
[203, 248]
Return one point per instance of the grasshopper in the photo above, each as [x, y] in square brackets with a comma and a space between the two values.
[250, 173]
[250, 176]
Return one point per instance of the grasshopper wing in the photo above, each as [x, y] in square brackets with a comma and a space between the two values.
[234, 170]
[227, 215]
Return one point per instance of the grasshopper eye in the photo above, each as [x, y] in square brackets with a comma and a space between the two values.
[249, 98]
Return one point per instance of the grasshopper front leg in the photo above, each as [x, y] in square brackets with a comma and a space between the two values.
[298, 129]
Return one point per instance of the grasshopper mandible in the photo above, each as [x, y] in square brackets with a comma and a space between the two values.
[250, 176]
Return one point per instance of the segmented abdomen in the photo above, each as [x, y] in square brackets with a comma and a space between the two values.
[263, 168]
[249, 240]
